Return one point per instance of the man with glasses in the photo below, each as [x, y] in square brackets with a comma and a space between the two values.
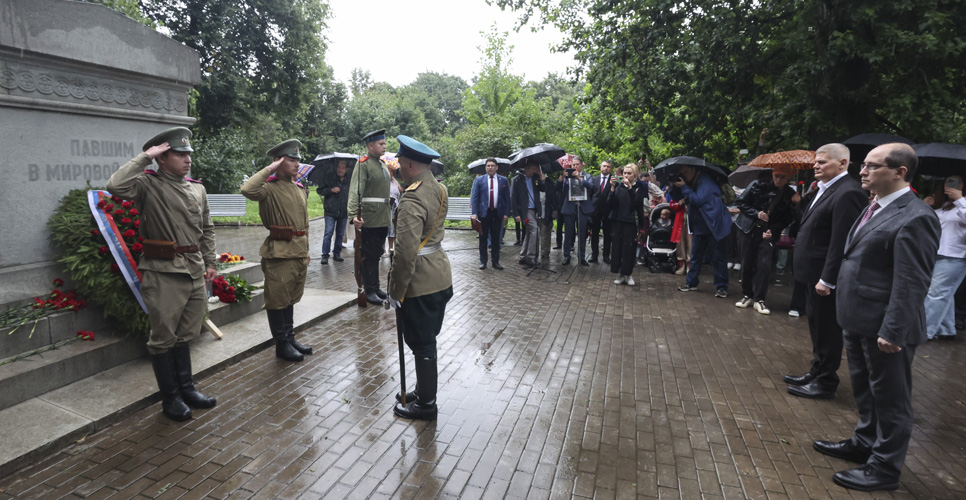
[883, 281]
[818, 255]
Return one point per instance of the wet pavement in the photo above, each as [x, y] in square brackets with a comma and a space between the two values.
[553, 385]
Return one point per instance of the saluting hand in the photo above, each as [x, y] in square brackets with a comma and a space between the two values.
[274, 165]
[155, 151]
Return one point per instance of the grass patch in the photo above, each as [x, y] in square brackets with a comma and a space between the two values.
[251, 212]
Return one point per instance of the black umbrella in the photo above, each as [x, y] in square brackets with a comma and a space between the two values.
[542, 154]
[671, 166]
[437, 168]
[323, 163]
[940, 159]
[860, 145]
[745, 175]
[478, 167]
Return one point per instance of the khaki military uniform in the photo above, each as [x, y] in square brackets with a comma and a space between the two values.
[369, 188]
[285, 263]
[173, 209]
[421, 278]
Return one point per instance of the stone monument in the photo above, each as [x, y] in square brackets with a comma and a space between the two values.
[81, 88]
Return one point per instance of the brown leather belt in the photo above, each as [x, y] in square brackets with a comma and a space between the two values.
[299, 233]
[187, 249]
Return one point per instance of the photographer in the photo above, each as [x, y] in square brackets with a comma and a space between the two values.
[950, 268]
[766, 208]
[624, 200]
[708, 222]
[577, 191]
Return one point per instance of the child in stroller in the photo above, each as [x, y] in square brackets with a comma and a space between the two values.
[659, 251]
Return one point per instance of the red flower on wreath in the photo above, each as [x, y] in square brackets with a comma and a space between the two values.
[125, 221]
[101, 203]
[95, 233]
[137, 223]
[126, 204]
[140, 238]
[116, 199]
[133, 212]
[129, 233]
[114, 268]
[119, 212]
[103, 250]
[137, 247]
[108, 207]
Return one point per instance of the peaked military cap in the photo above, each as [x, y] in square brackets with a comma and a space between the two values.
[415, 150]
[288, 148]
[176, 137]
[375, 135]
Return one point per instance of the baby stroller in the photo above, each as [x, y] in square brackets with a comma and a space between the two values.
[659, 251]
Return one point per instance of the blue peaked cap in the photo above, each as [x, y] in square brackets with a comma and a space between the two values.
[415, 150]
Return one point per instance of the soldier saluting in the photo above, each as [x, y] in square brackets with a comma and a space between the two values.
[282, 205]
[369, 192]
[178, 257]
[420, 281]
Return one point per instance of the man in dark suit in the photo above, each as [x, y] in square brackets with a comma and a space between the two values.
[600, 218]
[490, 205]
[526, 201]
[883, 282]
[818, 254]
[577, 191]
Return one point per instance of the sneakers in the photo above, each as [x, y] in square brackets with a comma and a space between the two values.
[737, 267]
[731, 265]
[721, 293]
[630, 281]
[620, 281]
[793, 313]
[687, 288]
[761, 307]
[744, 303]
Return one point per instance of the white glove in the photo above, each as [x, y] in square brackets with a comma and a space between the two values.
[394, 303]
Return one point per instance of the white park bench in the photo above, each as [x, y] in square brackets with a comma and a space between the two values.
[226, 205]
[458, 209]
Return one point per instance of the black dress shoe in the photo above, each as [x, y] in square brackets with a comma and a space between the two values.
[482, 266]
[593, 260]
[337, 258]
[566, 262]
[606, 260]
[558, 247]
[584, 262]
[382, 294]
[325, 260]
[497, 266]
[845, 450]
[799, 379]
[811, 390]
[373, 299]
[866, 477]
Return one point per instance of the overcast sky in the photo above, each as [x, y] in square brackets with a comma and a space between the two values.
[414, 36]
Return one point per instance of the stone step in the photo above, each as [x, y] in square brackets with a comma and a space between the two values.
[50, 366]
[49, 421]
[247, 270]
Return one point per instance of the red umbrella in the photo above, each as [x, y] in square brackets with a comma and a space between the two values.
[797, 159]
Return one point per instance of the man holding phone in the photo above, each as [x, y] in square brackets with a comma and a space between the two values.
[577, 190]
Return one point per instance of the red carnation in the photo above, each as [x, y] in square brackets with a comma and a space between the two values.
[103, 249]
[119, 212]
[129, 233]
[108, 207]
[137, 223]
[125, 221]
[116, 199]
[126, 204]
[95, 233]
[133, 211]
[114, 267]
[101, 203]
[38, 303]
[58, 282]
[140, 238]
[137, 247]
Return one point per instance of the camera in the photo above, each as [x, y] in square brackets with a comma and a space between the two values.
[570, 172]
[954, 183]
[675, 177]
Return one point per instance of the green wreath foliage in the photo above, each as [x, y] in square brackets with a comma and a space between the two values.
[72, 230]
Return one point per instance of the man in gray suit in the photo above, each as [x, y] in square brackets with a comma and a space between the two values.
[882, 286]
[577, 191]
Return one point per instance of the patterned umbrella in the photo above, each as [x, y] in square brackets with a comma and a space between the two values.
[304, 170]
[797, 159]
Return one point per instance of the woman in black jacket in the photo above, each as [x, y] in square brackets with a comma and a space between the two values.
[624, 200]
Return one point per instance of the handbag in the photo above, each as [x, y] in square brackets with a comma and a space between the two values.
[785, 241]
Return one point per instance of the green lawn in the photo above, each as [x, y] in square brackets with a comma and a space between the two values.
[251, 212]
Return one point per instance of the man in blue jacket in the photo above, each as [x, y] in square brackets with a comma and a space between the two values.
[708, 222]
[490, 205]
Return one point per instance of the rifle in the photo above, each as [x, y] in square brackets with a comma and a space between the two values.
[357, 247]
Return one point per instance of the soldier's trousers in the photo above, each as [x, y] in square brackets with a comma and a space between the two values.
[422, 319]
[176, 308]
[373, 241]
[284, 281]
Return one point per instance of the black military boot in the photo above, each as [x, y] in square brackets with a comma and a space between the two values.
[182, 369]
[424, 406]
[172, 405]
[290, 331]
[410, 395]
[283, 348]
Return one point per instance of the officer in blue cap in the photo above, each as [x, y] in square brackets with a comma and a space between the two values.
[420, 280]
[369, 207]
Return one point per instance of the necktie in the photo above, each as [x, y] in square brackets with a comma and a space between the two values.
[603, 182]
[491, 191]
[868, 215]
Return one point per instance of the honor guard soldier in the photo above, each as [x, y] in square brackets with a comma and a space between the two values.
[282, 205]
[369, 207]
[178, 257]
[420, 280]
